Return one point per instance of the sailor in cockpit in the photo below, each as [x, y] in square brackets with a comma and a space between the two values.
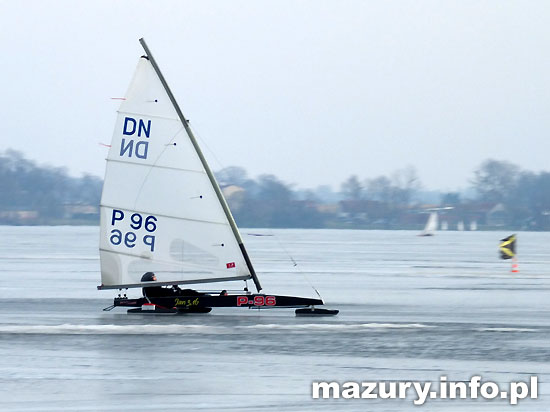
[158, 291]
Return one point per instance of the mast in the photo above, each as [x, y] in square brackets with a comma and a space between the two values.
[209, 173]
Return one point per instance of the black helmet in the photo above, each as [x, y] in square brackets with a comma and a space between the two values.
[148, 277]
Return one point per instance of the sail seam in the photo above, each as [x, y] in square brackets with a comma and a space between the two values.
[176, 119]
[196, 268]
[157, 166]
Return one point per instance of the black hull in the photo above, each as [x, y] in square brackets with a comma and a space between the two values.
[203, 303]
[316, 312]
[162, 311]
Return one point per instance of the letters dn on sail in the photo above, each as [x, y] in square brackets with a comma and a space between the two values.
[137, 223]
[130, 147]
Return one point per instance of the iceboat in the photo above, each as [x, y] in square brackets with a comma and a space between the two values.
[431, 225]
[162, 211]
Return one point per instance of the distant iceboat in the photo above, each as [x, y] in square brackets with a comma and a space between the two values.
[460, 226]
[473, 225]
[431, 225]
[444, 225]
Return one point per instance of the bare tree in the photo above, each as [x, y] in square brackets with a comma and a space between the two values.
[232, 175]
[352, 189]
[406, 184]
[495, 179]
[379, 188]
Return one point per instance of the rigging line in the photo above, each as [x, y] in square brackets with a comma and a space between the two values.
[313, 287]
[284, 249]
[295, 263]
[205, 144]
[166, 146]
[272, 234]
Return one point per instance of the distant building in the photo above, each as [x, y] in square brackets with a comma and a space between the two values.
[362, 211]
[234, 195]
[80, 211]
[498, 216]
[332, 208]
[19, 217]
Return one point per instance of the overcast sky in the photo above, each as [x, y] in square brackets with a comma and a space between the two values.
[311, 91]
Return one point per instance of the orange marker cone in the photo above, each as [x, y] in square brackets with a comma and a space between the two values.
[515, 266]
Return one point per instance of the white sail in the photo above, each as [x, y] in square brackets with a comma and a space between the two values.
[444, 225]
[460, 226]
[473, 225]
[431, 225]
[159, 209]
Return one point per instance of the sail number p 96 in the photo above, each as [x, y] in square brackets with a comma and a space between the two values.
[257, 300]
[138, 223]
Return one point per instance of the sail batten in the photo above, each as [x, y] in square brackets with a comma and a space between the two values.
[161, 208]
[160, 167]
[134, 113]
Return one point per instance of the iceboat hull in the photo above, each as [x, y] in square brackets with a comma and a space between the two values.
[204, 302]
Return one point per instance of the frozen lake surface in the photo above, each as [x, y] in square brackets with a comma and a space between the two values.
[411, 309]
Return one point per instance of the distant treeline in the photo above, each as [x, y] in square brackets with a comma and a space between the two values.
[32, 194]
[502, 196]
